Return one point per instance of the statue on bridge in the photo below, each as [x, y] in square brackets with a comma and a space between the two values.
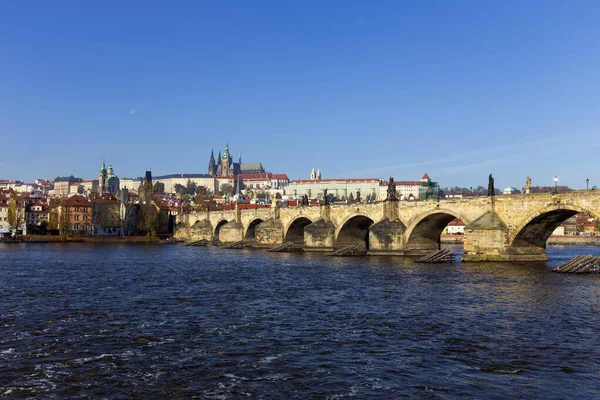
[491, 190]
[325, 198]
[528, 185]
[305, 200]
[391, 191]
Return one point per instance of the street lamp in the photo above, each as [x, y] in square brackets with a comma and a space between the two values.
[555, 184]
[587, 183]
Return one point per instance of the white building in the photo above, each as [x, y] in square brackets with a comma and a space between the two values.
[340, 188]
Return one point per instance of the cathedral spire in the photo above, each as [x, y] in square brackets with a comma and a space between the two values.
[226, 153]
[211, 163]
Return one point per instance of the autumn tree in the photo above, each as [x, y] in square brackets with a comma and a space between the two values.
[15, 214]
[226, 188]
[202, 198]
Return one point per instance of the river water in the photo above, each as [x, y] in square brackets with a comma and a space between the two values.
[116, 321]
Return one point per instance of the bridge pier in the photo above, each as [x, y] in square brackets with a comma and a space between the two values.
[319, 236]
[486, 239]
[201, 230]
[231, 232]
[387, 238]
[269, 233]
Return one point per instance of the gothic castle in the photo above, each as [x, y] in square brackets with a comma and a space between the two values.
[224, 166]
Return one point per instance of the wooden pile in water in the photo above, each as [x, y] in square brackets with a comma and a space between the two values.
[284, 247]
[201, 242]
[580, 265]
[235, 245]
[352, 250]
[438, 256]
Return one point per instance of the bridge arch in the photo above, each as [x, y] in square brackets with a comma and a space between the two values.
[219, 226]
[425, 231]
[354, 231]
[295, 231]
[251, 230]
[531, 235]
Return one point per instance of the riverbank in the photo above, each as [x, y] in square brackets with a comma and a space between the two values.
[90, 239]
[552, 241]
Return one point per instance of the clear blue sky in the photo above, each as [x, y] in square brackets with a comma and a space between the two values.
[458, 89]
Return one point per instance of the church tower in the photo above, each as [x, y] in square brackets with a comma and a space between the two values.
[211, 164]
[226, 162]
[102, 178]
[313, 176]
[318, 174]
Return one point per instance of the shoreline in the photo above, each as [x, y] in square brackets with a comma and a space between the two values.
[448, 239]
[552, 241]
[90, 239]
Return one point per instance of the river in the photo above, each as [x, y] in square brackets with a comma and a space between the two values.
[142, 321]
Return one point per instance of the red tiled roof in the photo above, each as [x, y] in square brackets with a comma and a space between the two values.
[76, 200]
[426, 177]
[262, 176]
[281, 177]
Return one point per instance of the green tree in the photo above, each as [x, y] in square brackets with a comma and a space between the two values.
[190, 188]
[179, 189]
[159, 188]
[147, 220]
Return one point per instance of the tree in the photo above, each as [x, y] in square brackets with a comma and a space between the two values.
[202, 198]
[15, 214]
[179, 189]
[190, 188]
[203, 190]
[550, 189]
[159, 188]
[480, 191]
[147, 220]
[331, 198]
[64, 217]
[53, 225]
[226, 188]
[126, 212]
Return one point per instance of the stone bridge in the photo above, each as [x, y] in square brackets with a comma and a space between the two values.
[500, 228]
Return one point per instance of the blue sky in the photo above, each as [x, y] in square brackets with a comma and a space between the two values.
[458, 89]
